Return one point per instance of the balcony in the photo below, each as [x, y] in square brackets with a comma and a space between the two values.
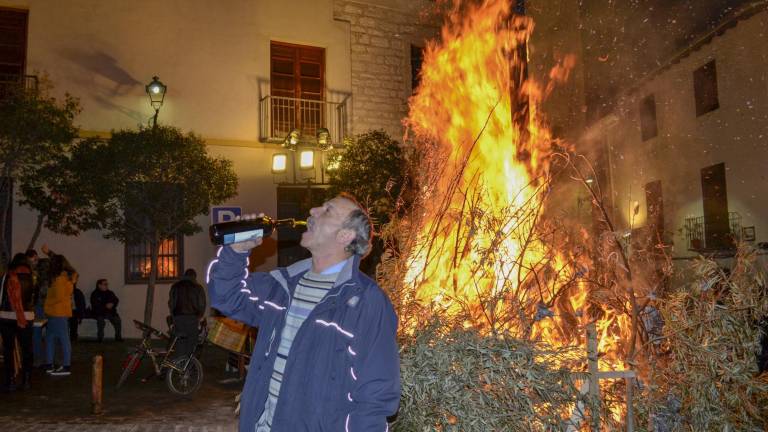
[695, 233]
[280, 115]
[9, 83]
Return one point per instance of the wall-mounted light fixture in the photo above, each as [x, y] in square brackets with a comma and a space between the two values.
[324, 139]
[292, 140]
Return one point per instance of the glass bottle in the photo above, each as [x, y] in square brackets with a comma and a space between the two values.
[225, 233]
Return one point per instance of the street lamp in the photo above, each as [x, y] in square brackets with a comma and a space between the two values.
[156, 91]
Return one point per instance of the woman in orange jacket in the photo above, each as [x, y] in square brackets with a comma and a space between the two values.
[58, 310]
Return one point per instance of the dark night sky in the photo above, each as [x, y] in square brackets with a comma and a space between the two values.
[624, 40]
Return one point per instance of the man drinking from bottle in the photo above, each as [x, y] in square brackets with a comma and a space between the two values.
[326, 357]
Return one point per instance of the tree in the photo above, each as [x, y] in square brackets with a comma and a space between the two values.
[148, 186]
[372, 168]
[54, 192]
[36, 131]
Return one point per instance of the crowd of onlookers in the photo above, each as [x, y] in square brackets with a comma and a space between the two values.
[40, 311]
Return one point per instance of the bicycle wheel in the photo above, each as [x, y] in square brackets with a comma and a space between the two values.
[129, 366]
[184, 381]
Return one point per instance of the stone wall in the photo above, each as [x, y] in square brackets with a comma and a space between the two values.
[382, 33]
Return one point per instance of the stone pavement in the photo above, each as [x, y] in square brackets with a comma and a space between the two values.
[64, 403]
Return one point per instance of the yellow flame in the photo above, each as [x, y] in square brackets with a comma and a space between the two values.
[484, 184]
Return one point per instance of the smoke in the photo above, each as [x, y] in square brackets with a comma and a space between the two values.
[623, 41]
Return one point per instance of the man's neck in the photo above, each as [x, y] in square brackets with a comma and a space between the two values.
[320, 263]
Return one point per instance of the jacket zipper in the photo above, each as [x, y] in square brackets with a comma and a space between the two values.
[341, 287]
[271, 339]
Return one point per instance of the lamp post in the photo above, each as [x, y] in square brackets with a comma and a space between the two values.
[156, 91]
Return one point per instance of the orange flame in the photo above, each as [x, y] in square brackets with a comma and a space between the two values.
[481, 200]
[482, 252]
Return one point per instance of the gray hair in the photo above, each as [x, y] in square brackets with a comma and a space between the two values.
[360, 223]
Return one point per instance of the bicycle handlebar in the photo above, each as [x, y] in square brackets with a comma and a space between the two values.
[147, 329]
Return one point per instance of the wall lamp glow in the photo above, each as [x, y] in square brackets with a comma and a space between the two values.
[279, 163]
[307, 159]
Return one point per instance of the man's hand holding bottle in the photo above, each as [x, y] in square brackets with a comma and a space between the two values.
[255, 241]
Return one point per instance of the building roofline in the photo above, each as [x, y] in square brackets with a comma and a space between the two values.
[728, 23]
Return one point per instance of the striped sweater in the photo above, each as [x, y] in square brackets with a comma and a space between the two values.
[310, 291]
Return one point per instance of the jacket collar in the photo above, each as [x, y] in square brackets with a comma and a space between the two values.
[303, 266]
[296, 270]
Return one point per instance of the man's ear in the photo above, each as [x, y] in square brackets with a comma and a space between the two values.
[345, 236]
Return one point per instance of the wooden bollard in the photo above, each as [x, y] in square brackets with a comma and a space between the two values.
[96, 383]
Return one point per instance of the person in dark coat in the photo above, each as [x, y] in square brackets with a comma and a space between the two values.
[104, 307]
[78, 312]
[186, 303]
[17, 313]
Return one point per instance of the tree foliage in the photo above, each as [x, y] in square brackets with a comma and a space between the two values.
[149, 185]
[36, 134]
[372, 168]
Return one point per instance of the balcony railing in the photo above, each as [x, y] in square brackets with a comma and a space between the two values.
[695, 232]
[280, 115]
[10, 83]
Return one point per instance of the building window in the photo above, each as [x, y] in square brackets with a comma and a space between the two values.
[648, 127]
[417, 57]
[715, 202]
[138, 255]
[705, 88]
[654, 203]
[169, 261]
[297, 85]
[13, 47]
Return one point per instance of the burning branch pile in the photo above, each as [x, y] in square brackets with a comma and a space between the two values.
[464, 381]
[494, 293]
[501, 283]
[707, 377]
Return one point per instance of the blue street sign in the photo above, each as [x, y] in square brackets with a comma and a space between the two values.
[224, 214]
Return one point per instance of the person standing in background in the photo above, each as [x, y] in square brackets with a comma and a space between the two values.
[186, 303]
[58, 310]
[17, 303]
[104, 307]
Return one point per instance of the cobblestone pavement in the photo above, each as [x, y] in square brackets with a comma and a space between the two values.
[64, 403]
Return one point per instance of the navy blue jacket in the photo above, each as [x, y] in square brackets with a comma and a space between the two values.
[343, 371]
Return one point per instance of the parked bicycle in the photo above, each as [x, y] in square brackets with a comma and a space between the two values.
[183, 375]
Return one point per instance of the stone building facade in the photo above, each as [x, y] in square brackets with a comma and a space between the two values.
[384, 35]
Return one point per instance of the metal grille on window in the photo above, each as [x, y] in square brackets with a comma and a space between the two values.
[138, 261]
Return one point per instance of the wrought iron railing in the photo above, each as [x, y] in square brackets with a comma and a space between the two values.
[695, 231]
[10, 83]
[281, 115]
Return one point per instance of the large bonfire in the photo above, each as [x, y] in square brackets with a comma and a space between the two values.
[482, 247]
[479, 252]
[495, 295]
